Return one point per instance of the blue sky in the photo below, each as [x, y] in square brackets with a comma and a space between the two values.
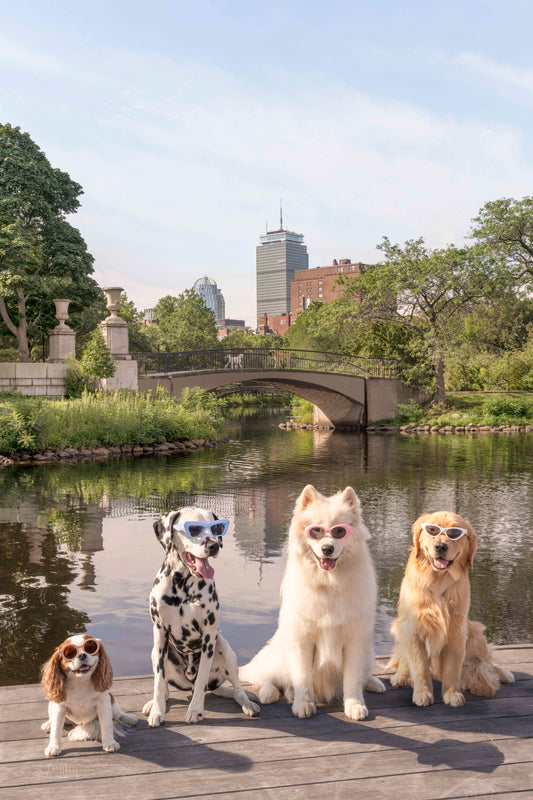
[186, 122]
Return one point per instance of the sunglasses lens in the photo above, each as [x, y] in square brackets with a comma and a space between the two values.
[218, 529]
[433, 530]
[315, 533]
[69, 652]
[338, 532]
[90, 647]
[454, 533]
[195, 531]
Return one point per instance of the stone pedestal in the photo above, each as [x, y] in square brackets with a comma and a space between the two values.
[114, 329]
[62, 338]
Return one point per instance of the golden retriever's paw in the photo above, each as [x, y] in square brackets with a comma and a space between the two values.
[374, 684]
[355, 710]
[423, 697]
[399, 679]
[453, 698]
[303, 709]
[45, 727]
[128, 719]
[505, 675]
[268, 693]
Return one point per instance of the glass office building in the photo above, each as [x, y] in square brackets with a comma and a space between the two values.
[279, 254]
[211, 295]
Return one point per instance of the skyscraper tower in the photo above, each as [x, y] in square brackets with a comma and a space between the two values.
[211, 295]
[278, 255]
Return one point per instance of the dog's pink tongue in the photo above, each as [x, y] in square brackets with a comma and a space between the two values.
[203, 567]
[441, 563]
[327, 563]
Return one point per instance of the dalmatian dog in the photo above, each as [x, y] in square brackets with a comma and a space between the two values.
[234, 362]
[189, 651]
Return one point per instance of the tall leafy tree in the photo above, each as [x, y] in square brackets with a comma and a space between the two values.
[506, 227]
[42, 255]
[185, 323]
[427, 291]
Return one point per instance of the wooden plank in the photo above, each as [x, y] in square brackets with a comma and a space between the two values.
[161, 749]
[473, 770]
[513, 700]
[481, 750]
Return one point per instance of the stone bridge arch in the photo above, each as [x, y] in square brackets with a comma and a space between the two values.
[338, 399]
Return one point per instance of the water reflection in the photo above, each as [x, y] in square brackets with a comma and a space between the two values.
[77, 548]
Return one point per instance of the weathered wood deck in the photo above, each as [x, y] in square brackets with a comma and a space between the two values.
[483, 750]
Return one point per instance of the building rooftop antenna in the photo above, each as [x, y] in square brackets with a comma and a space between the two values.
[280, 215]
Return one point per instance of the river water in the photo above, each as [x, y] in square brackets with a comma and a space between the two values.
[78, 552]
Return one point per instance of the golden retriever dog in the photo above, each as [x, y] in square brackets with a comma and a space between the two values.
[323, 646]
[434, 637]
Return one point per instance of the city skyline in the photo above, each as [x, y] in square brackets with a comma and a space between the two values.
[185, 123]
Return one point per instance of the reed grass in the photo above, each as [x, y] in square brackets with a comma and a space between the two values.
[28, 423]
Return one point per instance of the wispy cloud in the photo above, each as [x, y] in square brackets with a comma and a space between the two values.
[502, 76]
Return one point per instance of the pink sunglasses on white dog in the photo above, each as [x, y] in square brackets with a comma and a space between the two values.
[317, 532]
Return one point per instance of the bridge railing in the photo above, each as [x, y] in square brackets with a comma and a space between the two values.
[238, 358]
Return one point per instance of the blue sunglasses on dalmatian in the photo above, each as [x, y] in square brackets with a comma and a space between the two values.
[197, 531]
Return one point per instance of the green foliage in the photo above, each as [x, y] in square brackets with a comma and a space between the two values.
[505, 409]
[302, 410]
[185, 323]
[75, 381]
[427, 291]
[505, 227]
[96, 361]
[124, 417]
[41, 255]
[410, 412]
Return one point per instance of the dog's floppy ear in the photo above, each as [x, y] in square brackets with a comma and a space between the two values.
[417, 530]
[53, 679]
[472, 542]
[308, 496]
[102, 677]
[163, 531]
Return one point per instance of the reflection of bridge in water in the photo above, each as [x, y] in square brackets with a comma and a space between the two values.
[345, 390]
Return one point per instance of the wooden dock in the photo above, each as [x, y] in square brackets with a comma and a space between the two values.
[483, 750]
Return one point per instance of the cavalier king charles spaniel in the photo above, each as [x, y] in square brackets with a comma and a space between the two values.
[76, 681]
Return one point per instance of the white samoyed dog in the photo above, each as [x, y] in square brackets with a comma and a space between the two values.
[323, 646]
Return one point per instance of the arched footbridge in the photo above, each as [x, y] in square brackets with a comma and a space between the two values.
[344, 390]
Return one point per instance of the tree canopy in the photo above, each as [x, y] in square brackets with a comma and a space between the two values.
[505, 226]
[425, 290]
[42, 256]
[185, 323]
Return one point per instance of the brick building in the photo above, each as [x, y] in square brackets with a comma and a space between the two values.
[318, 284]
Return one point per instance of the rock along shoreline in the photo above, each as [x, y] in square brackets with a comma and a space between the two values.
[53, 455]
[408, 430]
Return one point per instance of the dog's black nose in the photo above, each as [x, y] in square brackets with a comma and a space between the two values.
[213, 548]
[327, 549]
[441, 547]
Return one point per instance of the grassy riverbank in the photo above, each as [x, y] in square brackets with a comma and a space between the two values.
[31, 423]
[470, 408]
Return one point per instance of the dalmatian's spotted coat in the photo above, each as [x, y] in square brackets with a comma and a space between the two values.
[189, 651]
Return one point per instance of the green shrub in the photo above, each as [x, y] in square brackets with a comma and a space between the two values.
[410, 412]
[508, 409]
[125, 417]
